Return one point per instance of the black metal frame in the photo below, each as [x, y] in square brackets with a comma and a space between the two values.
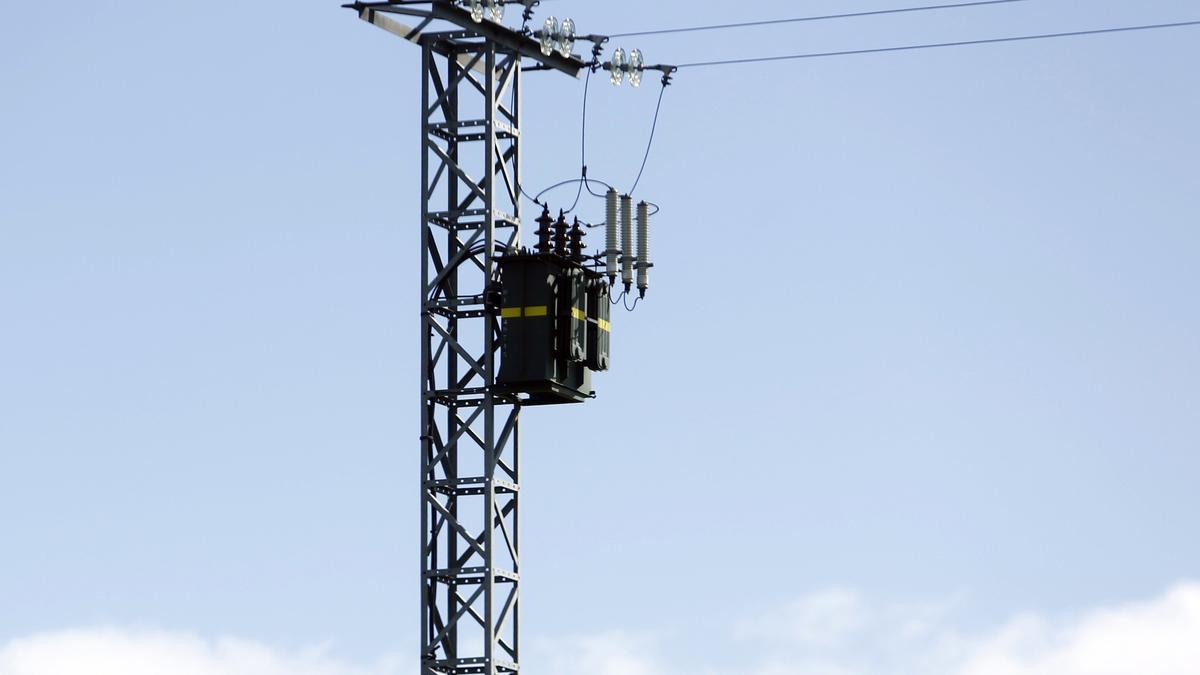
[470, 447]
[470, 560]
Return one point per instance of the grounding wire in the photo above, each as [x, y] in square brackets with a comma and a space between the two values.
[826, 17]
[936, 45]
[650, 144]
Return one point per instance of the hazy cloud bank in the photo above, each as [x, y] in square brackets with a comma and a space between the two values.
[834, 633]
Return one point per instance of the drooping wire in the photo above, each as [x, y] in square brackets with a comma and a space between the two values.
[537, 199]
[532, 199]
[826, 17]
[582, 143]
[625, 302]
[650, 144]
[937, 45]
[584, 180]
[589, 182]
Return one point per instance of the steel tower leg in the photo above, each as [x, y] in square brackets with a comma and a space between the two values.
[470, 208]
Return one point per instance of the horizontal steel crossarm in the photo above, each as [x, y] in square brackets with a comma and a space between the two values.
[473, 666]
[470, 486]
[507, 39]
[453, 222]
[455, 302]
[471, 575]
[444, 131]
[455, 314]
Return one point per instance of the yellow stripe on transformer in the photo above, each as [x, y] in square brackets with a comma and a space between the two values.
[536, 310]
[510, 313]
[604, 325]
[578, 314]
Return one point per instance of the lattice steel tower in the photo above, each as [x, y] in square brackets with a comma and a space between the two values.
[470, 216]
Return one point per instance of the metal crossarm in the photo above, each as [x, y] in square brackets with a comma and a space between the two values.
[505, 39]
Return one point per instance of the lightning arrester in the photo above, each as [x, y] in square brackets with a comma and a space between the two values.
[627, 241]
[643, 251]
[611, 245]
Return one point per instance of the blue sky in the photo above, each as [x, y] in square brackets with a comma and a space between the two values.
[921, 341]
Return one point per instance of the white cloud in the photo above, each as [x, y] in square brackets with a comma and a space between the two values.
[834, 633]
[611, 653]
[131, 652]
[1160, 637]
[843, 633]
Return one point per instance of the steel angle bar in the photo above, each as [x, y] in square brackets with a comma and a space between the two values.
[504, 611]
[431, 188]
[501, 168]
[377, 17]
[453, 621]
[458, 527]
[466, 356]
[508, 540]
[507, 39]
[457, 260]
[453, 441]
[475, 188]
[467, 62]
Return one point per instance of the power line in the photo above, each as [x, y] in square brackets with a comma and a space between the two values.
[650, 144]
[881, 50]
[582, 142]
[826, 17]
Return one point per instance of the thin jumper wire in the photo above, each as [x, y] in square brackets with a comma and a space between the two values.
[588, 183]
[826, 17]
[582, 143]
[537, 199]
[964, 43]
[650, 144]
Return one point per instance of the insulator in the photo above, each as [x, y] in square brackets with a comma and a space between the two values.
[577, 235]
[545, 231]
[616, 67]
[546, 37]
[496, 10]
[643, 251]
[627, 241]
[566, 38]
[611, 247]
[560, 234]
